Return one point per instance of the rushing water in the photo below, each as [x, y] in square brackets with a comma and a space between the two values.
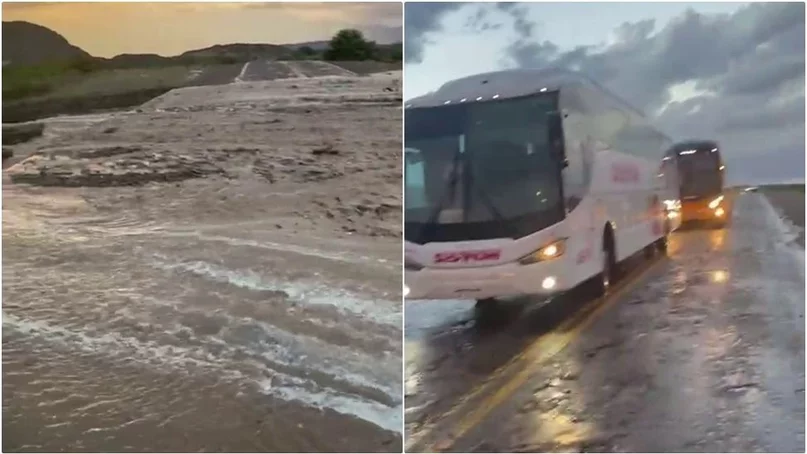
[182, 317]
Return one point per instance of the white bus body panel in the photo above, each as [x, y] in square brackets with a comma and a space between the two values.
[625, 206]
[490, 269]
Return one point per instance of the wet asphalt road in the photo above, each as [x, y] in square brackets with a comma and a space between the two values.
[703, 352]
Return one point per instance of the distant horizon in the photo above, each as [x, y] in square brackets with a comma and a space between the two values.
[766, 182]
[285, 44]
[110, 29]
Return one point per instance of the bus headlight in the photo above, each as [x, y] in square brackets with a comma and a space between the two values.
[549, 283]
[672, 205]
[550, 251]
[714, 203]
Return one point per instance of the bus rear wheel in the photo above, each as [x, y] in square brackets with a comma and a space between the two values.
[663, 242]
[600, 285]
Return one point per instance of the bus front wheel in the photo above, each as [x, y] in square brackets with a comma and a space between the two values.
[486, 308]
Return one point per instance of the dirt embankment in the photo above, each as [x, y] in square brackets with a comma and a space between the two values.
[41, 107]
[125, 88]
[15, 134]
[332, 143]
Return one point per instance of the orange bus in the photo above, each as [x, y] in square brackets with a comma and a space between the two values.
[701, 173]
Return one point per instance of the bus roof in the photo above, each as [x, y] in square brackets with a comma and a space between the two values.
[511, 83]
[695, 144]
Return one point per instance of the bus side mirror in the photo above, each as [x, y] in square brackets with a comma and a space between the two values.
[555, 123]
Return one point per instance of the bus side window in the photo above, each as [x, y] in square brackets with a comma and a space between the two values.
[607, 120]
[577, 136]
[575, 175]
[415, 180]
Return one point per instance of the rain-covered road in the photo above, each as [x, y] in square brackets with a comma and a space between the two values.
[702, 351]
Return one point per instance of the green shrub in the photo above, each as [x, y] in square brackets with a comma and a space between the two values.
[349, 45]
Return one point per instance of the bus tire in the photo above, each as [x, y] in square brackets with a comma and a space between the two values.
[663, 242]
[601, 283]
[485, 305]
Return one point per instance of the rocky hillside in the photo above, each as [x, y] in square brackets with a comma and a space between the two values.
[25, 43]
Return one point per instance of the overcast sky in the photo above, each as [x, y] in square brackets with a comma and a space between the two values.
[729, 71]
[109, 29]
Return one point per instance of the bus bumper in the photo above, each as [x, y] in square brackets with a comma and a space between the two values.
[512, 279]
[702, 213]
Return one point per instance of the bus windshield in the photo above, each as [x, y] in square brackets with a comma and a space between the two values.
[700, 174]
[480, 170]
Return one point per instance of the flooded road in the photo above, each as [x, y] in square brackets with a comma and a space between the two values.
[225, 313]
[702, 351]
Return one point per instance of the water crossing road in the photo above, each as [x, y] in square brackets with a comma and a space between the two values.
[256, 309]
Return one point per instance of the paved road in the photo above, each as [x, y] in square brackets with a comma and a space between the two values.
[259, 70]
[701, 351]
[216, 75]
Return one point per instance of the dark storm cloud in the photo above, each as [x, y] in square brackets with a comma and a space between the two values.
[525, 48]
[748, 67]
[479, 22]
[750, 63]
[420, 19]
[693, 46]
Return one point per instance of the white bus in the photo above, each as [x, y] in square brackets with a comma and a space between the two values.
[529, 182]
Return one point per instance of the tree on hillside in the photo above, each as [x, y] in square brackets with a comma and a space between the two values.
[349, 45]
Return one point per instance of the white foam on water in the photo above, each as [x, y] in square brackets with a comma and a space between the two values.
[269, 245]
[240, 77]
[389, 418]
[378, 311]
[292, 388]
[304, 352]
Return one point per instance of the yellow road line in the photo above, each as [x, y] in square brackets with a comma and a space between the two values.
[542, 349]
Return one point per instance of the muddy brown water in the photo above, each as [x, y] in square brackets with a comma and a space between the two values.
[227, 313]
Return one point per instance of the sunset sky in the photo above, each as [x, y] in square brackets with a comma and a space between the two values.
[108, 29]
